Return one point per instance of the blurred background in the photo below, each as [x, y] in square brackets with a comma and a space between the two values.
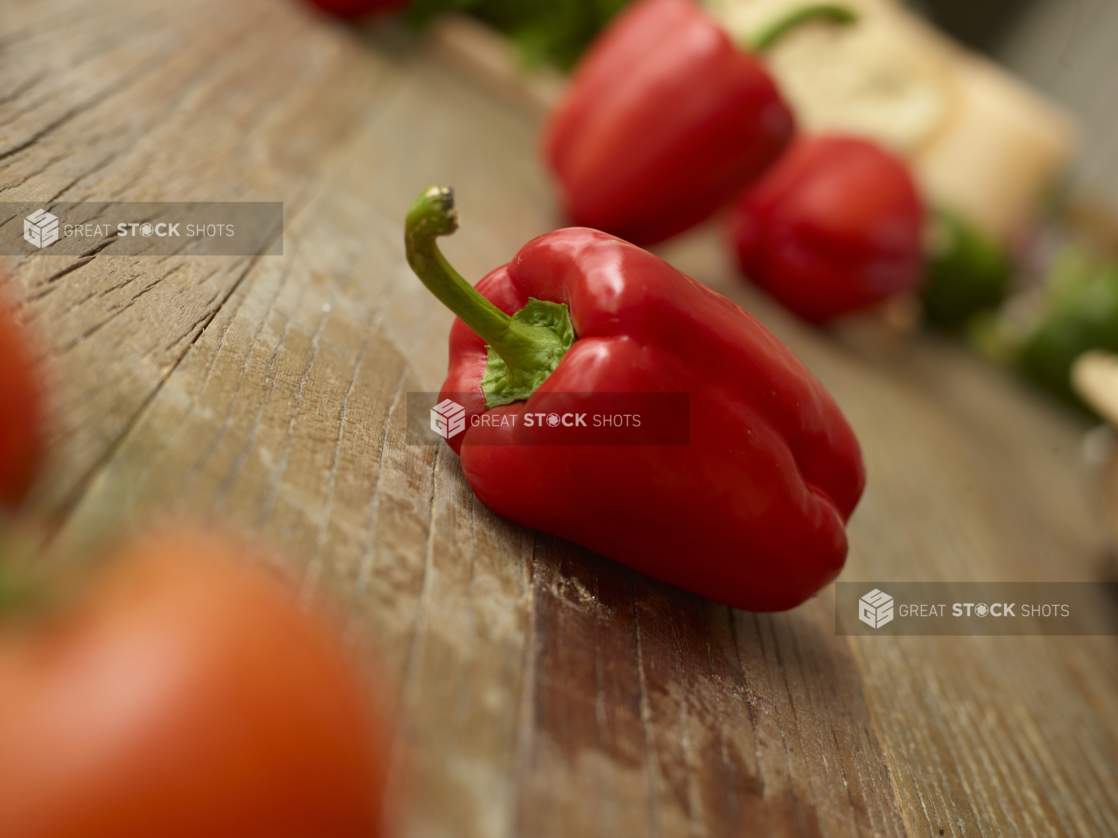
[1004, 111]
[534, 687]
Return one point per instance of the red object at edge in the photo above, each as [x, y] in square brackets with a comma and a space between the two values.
[21, 407]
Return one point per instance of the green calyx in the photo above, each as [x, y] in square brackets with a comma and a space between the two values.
[778, 28]
[503, 384]
[524, 349]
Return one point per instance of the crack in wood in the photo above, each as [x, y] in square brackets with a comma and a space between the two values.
[81, 485]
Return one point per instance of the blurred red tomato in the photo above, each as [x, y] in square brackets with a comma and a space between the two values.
[359, 8]
[835, 226]
[21, 406]
[187, 695]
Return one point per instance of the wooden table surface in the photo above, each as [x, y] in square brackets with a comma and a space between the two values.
[542, 690]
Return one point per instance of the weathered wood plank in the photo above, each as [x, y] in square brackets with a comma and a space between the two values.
[126, 106]
[543, 690]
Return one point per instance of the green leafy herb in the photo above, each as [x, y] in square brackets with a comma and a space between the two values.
[1082, 314]
[967, 274]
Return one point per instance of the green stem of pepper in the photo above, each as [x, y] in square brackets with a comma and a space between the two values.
[777, 29]
[524, 348]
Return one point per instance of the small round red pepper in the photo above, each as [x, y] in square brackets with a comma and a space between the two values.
[666, 120]
[750, 513]
[836, 226]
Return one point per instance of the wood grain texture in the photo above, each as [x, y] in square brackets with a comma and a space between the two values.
[543, 690]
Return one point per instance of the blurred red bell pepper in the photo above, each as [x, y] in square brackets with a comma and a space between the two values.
[666, 120]
[836, 226]
[359, 8]
[751, 513]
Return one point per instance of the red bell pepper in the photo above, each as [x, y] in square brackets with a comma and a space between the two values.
[665, 121]
[836, 226]
[751, 513]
